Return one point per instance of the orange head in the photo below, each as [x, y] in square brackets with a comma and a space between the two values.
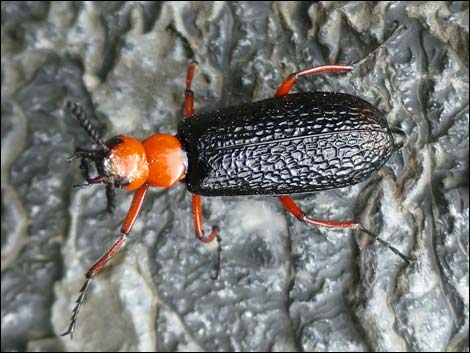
[125, 163]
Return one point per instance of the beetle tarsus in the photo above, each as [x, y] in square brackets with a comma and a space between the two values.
[76, 309]
[395, 31]
[386, 244]
[219, 250]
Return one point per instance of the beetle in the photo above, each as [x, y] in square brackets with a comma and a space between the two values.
[292, 143]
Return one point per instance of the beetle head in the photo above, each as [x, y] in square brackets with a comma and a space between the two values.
[122, 164]
[119, 162]
[125, 163]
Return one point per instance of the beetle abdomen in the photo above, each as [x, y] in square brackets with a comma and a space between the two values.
[292, 144]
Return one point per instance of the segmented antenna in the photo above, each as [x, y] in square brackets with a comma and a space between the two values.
[77, 111]
[76, 310]
[219, 250]
[386, 244]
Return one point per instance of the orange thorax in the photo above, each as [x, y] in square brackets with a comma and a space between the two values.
[166, 160]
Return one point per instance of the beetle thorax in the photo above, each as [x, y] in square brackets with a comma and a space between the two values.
[166, 160]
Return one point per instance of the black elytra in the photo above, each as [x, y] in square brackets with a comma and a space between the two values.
[296, 143]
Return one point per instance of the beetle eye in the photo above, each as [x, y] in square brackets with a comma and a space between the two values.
[113, 142]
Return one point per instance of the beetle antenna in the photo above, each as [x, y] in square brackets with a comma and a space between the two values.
[386, 244]
[77, 111]
[76, 310]
[219, 250]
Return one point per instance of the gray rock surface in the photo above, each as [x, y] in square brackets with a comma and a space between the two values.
[283, 286]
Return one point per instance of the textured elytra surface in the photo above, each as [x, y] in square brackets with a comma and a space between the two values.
[283, 286]
[293, 144]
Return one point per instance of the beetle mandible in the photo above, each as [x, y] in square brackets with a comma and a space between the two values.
[292, 143]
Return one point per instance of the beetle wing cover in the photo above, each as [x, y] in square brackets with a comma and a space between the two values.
[297, 143]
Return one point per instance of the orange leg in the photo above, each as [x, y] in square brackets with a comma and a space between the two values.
[125, 229]
[290, 81]
[98, 266]
[300, 215]
[197, 210]
[198, 229]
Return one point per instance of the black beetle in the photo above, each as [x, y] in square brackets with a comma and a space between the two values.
[292, 143]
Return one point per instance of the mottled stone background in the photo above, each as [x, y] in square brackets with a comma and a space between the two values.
[283, 286]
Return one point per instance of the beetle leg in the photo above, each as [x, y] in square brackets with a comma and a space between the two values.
[290, 81]
[125, 229]
[300, 215]
[219, 250]
[98, 266]
[197, 209]
[110, 198]
[198, 229]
